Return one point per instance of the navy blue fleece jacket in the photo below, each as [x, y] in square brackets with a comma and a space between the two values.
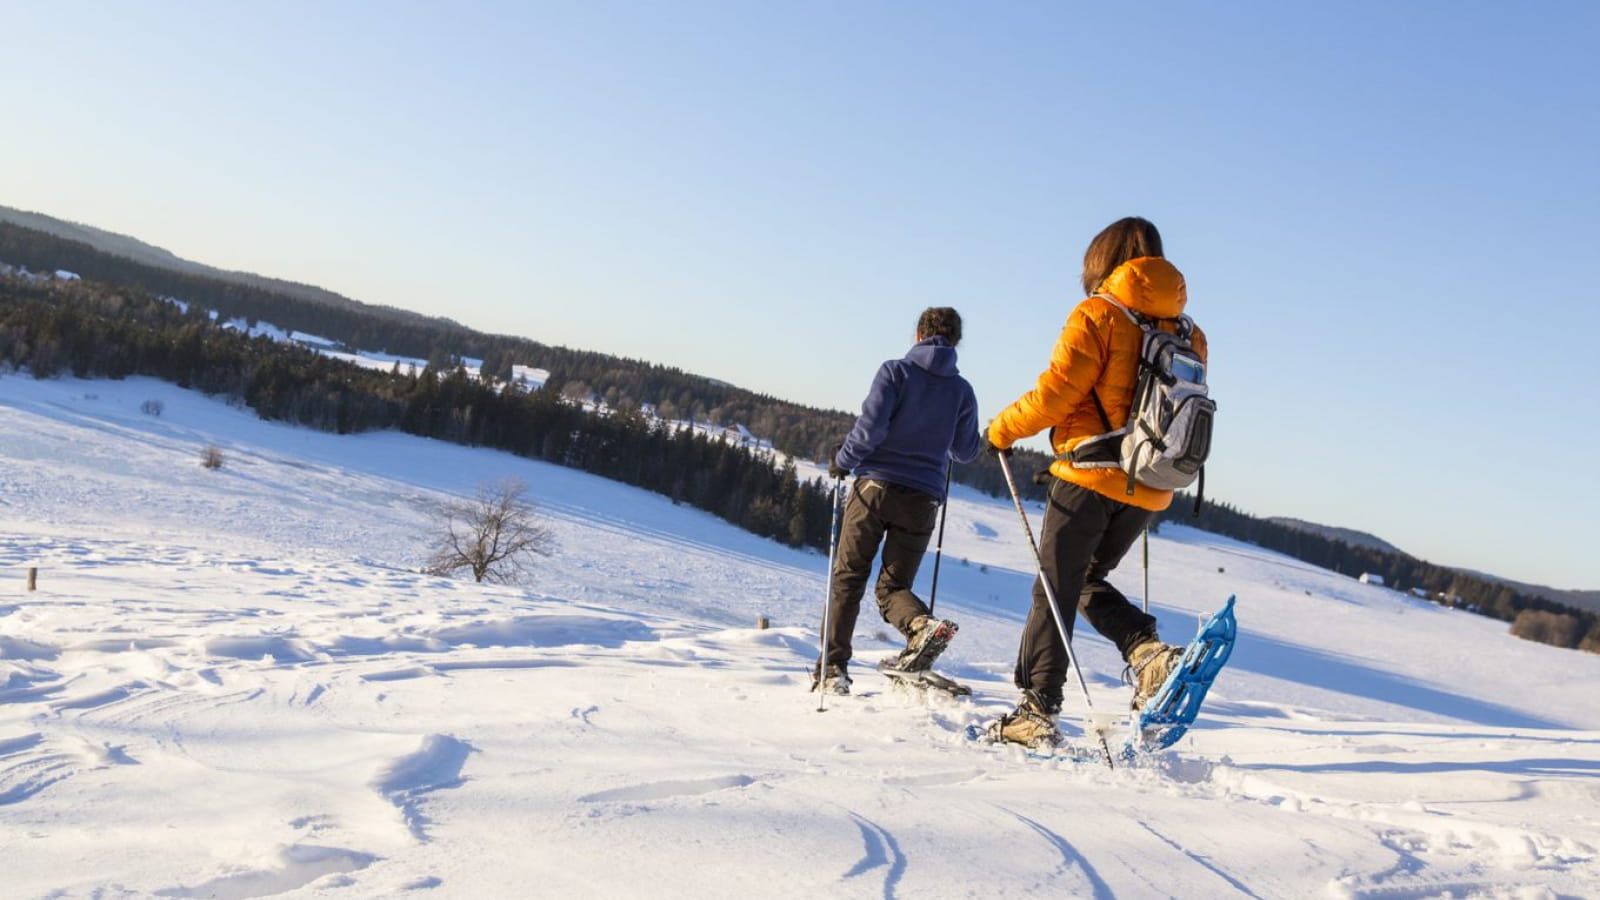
[918, 412]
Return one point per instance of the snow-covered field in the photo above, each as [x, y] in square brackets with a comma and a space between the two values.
[235, 683]
[527, 377]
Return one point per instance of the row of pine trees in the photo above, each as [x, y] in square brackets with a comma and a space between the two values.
[54, 327]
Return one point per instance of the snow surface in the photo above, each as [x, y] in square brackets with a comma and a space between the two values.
[235, 683]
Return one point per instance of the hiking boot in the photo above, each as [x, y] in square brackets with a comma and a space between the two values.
[835, 680]
[929, 637]
[1032, 724]
[1149, 664]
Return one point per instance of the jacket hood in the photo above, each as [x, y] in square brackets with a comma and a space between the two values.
[935, 355]
[1150, 286]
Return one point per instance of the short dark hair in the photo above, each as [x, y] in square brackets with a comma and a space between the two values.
[1117, 243]
[940, 321]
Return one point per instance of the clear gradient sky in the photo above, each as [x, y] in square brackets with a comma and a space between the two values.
[1388, 212]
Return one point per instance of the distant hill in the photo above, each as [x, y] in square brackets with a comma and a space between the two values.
[1589, 600]
[1333, 533]
[147, 254]
[108, 242]
[1586, 600]
[41, 243]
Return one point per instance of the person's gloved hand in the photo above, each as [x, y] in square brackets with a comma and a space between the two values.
[834, 469]
[994, 451]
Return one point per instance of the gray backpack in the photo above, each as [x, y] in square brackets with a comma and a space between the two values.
[1167, 438]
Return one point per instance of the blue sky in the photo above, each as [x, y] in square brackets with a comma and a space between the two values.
[1387, 212]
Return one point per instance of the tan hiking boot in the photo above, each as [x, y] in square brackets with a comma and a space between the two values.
[1032, 724]
[1149, 664]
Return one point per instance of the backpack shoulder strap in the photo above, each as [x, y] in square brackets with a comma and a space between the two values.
[1101, 409]
[1133, 317]
[1185, 325]
[1136, 319]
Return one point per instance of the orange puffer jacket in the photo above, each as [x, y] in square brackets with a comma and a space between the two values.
[1098, 350]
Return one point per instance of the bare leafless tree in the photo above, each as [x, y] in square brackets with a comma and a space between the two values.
[495, 535]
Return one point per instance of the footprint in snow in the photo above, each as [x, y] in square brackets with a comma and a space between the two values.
[295, 867]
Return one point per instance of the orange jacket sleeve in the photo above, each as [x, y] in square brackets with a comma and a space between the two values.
[1075, 366]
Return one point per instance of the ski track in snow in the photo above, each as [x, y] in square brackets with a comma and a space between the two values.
[661, 790]
[1234, 883]
[234, 684]
[1071, 859]
[880, 850]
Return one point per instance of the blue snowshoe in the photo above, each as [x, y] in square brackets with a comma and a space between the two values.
[1166, 716]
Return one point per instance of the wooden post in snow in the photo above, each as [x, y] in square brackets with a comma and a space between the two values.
[33, 578]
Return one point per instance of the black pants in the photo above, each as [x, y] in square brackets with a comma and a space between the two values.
[902, 520]
[1084, 536]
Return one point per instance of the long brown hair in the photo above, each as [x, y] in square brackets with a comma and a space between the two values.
[1117, 243]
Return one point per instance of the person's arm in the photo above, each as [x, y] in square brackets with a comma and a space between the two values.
[1075, 366]
[969, 440]
[872, 426]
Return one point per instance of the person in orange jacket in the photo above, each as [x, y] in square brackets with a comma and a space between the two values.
[1091, 519]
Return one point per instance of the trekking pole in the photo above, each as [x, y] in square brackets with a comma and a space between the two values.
[827, 599]
[1050, 597]
[938, 548]
[1147, 570]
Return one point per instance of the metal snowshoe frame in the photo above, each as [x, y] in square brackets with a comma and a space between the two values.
[923, 678]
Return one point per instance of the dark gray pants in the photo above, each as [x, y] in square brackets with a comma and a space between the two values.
[902, 520]
[1084, 536]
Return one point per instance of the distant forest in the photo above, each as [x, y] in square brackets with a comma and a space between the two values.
[95, 331]
[1533, 617]
[115, 323]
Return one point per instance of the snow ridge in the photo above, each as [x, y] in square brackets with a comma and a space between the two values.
[436, 765]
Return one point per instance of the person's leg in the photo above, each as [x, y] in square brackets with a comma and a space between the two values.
[1133, 630]
[1074, 522]
[909, 518]
[859, 534]
[1105, 607]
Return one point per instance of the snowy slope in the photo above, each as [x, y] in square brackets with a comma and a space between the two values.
[234, 683]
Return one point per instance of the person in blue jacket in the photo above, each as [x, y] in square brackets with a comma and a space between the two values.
[919, 414]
